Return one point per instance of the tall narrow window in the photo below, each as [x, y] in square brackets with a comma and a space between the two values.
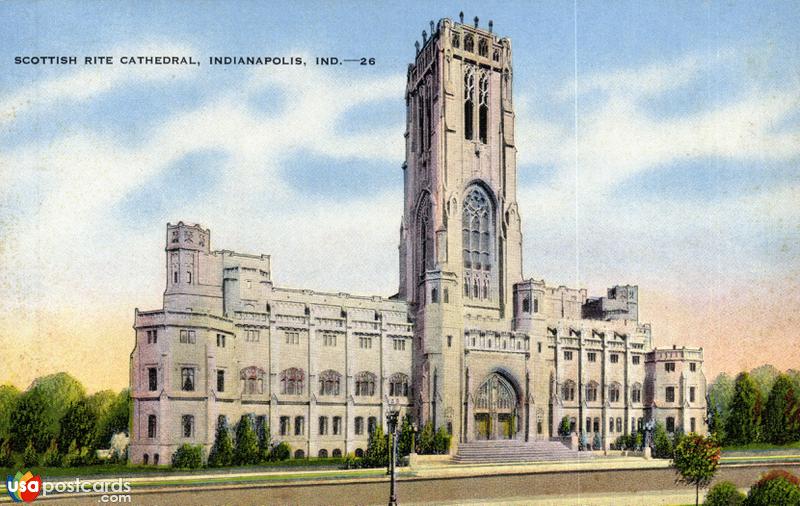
[424, 229]
[483, 108]
[187, 421]
[152, 378]
[469, 105]
[220, 380]
[420, 121]
[151, 426]
[476, 227]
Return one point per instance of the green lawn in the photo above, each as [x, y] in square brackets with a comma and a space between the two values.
[126, 470]
[761, 446]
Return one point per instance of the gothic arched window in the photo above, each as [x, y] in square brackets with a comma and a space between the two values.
[476, 228]
[292, 381]
[420, 120]
[365, 384]
[591, 392]
[568, 391]
[469, 43]
[483, 108]
[456, 40]
[398, 385]
[252, 380]
[469, 104]
[329, 382]
[483, 48]
[424, 229]
[636, 393]
[613, 392]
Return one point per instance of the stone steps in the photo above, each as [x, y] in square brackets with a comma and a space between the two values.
[515, 451]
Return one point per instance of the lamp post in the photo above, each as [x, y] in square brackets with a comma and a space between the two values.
[392, 415]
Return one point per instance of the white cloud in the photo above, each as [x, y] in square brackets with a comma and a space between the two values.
[90, 81]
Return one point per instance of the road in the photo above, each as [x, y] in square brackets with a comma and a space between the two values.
[480, 489]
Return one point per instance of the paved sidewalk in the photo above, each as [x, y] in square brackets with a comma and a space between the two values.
[621, 499]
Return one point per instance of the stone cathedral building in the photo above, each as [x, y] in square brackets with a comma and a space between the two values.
[467, 343]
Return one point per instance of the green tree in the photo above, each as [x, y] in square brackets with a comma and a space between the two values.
[246, 451]
[279, 452]
[51, 457]
[264, 442]
[377, 454]
[406, 438]
[39, 410]
[764, 376]
[6, 457]
[662, 444]
[744, 414]
[114, 419]
[78, 424]
[222, 451]
[442, 441]
[30, 457]
[720, 395]
[696, 459]
[426, 443]
[779, 412]
[8, 399]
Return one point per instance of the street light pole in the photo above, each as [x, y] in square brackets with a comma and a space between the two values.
[392, 416]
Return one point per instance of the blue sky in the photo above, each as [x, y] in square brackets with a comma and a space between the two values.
[686, 154]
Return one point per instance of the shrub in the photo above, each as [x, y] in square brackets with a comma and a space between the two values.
[597, 444]
[280, 451]
[188, 457]
[246, 451]
[29, 457]
[222, 451]
[51, 457]
[564, 427]
[6, 457]
[426, 444]
[662, 444]
[351, 462]
[724, 493]
[775, 487]
[441, 441]
[405, 440]
[377, 454]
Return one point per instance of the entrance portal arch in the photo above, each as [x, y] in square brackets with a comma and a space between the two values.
[496, 409]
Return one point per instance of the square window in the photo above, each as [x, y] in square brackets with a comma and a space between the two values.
[635, 359]
[669, 366]
[592, 356]
[567, 355]
[693, 366]
[614, 358]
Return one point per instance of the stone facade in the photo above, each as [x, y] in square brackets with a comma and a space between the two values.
[467, 343]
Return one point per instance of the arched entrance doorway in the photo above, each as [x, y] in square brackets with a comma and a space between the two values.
[495, 409]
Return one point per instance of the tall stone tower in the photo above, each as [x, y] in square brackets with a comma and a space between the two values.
[460, 240]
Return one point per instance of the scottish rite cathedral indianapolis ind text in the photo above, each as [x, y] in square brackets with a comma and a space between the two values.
[467, 343]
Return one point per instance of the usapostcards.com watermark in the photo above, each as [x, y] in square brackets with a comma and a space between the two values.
[111, 491]
[27, 490]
